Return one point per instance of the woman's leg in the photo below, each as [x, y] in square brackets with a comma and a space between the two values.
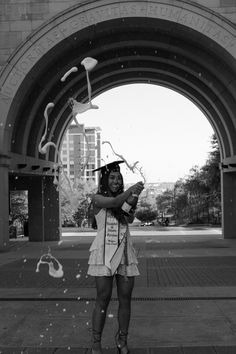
[104, 291]
[125, 287]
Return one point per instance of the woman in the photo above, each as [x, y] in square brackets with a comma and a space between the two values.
[112, 253]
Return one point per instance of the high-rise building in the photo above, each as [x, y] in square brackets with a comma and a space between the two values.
[81, 152]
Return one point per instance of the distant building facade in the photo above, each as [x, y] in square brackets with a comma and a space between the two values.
[80, 145]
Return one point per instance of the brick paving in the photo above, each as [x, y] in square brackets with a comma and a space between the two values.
[186, 294]
[158, 272]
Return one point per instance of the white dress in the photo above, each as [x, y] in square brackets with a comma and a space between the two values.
[110, 232]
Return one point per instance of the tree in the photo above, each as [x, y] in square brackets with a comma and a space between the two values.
[145, 214]
[197, 198]
[164, 202]
[75, 200]
[19, 205]
[146, 209]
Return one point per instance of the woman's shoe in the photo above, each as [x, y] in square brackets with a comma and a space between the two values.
[121, 343]
[96, 346]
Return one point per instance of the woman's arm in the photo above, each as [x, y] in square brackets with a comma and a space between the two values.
[99, 201]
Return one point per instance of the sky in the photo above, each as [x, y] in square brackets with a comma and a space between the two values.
[161, 129]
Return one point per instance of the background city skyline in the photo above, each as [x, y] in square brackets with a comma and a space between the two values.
[156, 126]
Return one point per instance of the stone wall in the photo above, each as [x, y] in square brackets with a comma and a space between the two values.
[19, 18]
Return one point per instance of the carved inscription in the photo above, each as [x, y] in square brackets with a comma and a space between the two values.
[98, 14]
[28, 60]
[207, 27]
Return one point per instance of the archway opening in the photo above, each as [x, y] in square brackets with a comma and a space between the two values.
[166, 133]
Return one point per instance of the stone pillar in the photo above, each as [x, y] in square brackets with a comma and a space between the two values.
[4, 204]
[43, 203]
[228, 190]
[51, 210]
[35, 209]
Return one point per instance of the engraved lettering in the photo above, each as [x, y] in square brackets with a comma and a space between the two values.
[84, 21]
[39, 50]
[13, 81]
[5, 96]
[164, 11]
[31, 58]
[133, 10]
[63, 31]
[115, 10]
[123, 10]
[207, 28]
[195, 21]
[174, 14]
[74, 23]
[184, 18]
[24, 65]
[151, 10]
[217, 36]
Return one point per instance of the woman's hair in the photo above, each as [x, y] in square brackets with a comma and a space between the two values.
[103, 187]
[104, 190]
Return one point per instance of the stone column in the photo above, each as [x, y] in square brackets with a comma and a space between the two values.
[228, 190]
[35, 209]
[43, 199]
[51, 210]
[4, 204]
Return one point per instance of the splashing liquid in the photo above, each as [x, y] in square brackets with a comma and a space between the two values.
[133, 167]
[55, 268]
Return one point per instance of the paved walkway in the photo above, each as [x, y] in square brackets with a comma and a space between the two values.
[184, 300]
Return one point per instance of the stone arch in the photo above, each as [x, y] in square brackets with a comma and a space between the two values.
[177, 44]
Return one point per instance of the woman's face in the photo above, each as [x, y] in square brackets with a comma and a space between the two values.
[115, 181]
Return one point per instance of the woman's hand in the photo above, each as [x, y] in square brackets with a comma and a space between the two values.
[137, 188]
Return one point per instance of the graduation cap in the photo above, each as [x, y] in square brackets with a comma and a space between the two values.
[112, 166]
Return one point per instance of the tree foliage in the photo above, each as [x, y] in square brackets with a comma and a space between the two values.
[75, 201]
[197, 197]
[19, 205]
[145, 214]
[146, 209]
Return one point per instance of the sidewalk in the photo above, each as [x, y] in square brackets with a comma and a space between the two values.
[184, 301]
